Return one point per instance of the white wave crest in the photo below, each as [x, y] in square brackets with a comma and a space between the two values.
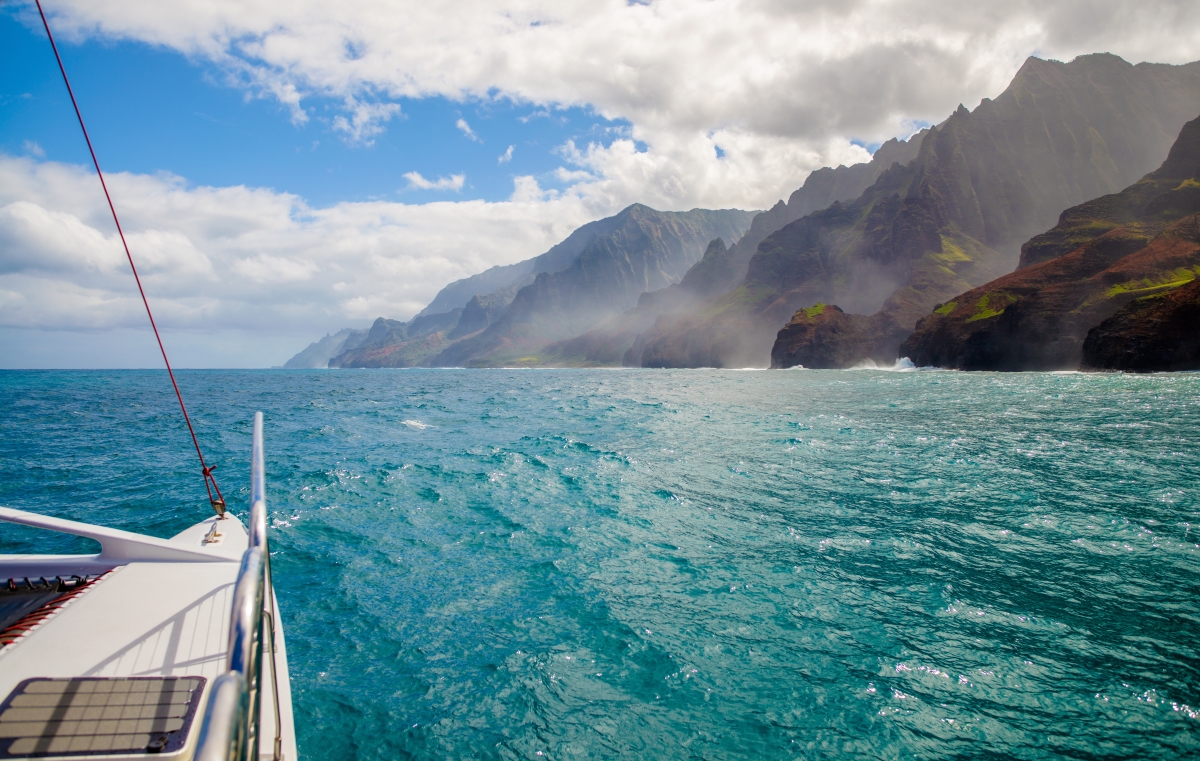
[417, 424]
[902, 365]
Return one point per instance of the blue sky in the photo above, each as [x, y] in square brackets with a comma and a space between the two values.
[150, 109]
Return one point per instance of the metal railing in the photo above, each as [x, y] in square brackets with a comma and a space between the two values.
[230, 729]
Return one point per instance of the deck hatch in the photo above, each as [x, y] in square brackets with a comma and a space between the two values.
[89, 716]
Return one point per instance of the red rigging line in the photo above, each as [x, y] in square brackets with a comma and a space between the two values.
[210, 482]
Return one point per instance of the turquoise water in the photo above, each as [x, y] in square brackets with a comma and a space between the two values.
[681, 564]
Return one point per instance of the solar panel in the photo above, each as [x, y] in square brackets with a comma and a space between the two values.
[89, 716]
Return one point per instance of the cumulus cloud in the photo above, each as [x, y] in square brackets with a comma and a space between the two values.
[787, 85]
[262, 269]
[33, 149]
[527, 191]
[417, 182]
[36, 239]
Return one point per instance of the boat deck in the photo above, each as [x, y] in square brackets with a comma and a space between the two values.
[143, 619]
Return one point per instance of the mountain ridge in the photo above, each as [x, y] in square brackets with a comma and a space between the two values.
[505, 277]
[499, 285]
[983, 182]
[616, 340]
[614, 259]
[647, 251]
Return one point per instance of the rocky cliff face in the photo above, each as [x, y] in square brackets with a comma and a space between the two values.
[1157, 333]
[1143, 241]
[1038, 318]
[954, 218]
[824, 337]
[820, 189]
[609, 342]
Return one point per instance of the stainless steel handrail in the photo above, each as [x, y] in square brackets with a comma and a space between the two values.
[229, 731]
[258, 488]
[221, 733]
[258, 538]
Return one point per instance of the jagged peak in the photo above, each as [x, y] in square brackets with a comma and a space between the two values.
[1183, 160]
[1035, 67]
[1101, 59]
[635, 207]
[1033, 63]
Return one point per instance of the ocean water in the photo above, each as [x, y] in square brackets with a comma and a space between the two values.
[681, 564]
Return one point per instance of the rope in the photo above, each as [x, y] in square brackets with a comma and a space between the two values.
[210, 482]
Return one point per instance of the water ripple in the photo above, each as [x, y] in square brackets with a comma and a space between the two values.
[691, 564]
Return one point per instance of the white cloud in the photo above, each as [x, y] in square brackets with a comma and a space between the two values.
[274, 269]
[466, 130]
[782, 87]
[527, 191]
[365, 120]
[33, 149]
[417, 182]
[790, 83]
[262, 270]
[505, 157]
[36, 239]
[573, 176]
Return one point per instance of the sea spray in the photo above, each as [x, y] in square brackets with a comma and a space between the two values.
[902, 365]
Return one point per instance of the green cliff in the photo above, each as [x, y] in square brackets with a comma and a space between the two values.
[1155, 333]
[1143, 241]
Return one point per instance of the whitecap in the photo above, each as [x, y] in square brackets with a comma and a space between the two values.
[417, 424]
[902, 365]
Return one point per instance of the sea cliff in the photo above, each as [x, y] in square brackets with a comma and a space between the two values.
[1143, 241]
